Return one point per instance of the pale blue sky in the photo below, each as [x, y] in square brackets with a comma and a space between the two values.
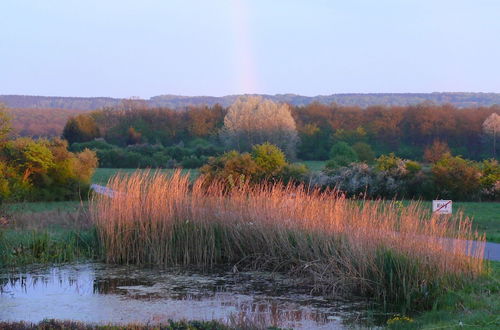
[143, 48]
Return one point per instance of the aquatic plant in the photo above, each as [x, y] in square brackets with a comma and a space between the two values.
[399, 256]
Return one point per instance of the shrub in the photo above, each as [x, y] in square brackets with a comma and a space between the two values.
[457, 178]
[341, 154]
[44, 170]
[98, 144]
[364, 152]
[490, 180]
[193, 162]
[267, 162]
[269, 159]
[232, 168]
[293, 173]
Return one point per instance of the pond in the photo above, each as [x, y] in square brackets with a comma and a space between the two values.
[98, 293]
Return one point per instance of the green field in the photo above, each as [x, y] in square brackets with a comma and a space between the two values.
[314, 165]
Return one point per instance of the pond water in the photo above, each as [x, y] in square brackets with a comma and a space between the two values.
[99, 293]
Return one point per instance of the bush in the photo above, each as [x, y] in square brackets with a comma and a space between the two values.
[490, 180]
[457, 178]
[364, 152]
[44, 170]
[269, 159]
[193, 162]
[232, 167]
[98, 144]
[341, 154]
[267, 162]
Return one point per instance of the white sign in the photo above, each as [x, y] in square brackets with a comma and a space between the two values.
[441, 207]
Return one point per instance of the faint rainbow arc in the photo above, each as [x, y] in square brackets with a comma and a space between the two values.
[245, 63]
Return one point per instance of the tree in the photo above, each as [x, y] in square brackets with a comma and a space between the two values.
[29, 156]
[133, 136]
[81, 128]
[269, 158]
[4, 124]
[341, 155]
[436, 151]
[252, 120]
[457, 178]
[491, 126]
[364, 151]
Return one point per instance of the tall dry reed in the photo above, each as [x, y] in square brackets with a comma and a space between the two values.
[375, 248]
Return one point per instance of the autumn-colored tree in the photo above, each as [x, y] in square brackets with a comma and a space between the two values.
[252, 120]
[205, 121]
[436, 151]
[133, 136]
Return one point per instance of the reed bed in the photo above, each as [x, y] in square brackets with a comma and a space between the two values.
[378, 249]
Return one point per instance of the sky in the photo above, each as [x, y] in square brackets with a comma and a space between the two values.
[125, 48]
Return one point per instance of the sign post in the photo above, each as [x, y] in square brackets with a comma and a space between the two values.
[442, 206]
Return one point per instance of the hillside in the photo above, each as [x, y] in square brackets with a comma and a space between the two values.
[177, 101]
[43, 122]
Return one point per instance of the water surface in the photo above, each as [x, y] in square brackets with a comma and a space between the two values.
[99, 293]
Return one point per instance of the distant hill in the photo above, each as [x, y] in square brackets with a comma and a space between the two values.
[40, 122]
[177, 101]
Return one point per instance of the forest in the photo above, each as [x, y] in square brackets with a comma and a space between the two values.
[403, 130]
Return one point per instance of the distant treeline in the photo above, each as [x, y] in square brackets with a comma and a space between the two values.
[406, 131]
[40, 122]
[176, 101]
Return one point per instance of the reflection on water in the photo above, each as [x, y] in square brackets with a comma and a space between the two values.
[119, 294]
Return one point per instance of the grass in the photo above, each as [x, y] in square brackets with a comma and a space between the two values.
[476, 306]
[314, 165]
[47, 237]
[374, 249]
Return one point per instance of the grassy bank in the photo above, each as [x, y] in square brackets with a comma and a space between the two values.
[44, 235]
[476, 306]
[337, 245]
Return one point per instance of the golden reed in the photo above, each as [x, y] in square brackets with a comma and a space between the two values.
[375, 248]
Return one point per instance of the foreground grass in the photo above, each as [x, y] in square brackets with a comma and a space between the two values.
[477, 306]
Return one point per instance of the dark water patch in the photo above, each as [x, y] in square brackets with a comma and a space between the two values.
[120, 294]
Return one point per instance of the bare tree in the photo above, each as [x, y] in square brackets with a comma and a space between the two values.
[252, 120]
[491, 126]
